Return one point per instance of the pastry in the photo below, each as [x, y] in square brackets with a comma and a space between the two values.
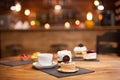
[91, 54]
[68, 66]
[24, 57]
[61, 54]
[80, 50]
[34, 56]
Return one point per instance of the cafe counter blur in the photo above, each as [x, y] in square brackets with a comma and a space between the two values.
[42, 39]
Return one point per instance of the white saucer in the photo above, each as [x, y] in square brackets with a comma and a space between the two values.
[38, 66]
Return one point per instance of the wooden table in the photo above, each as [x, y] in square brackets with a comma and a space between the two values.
[108, 68]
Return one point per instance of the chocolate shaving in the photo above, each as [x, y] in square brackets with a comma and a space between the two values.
[80, 45]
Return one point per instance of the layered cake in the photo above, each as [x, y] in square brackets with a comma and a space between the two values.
[80, 50]
[91, 54]
[67, 66]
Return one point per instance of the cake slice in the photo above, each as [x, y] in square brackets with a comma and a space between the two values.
[91, 54]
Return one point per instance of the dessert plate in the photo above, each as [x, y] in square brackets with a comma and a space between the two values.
[68, 71]
[38, 66]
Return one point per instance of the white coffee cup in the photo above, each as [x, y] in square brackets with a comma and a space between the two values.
[45, 59]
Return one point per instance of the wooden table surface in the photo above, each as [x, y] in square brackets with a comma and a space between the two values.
[108, 68]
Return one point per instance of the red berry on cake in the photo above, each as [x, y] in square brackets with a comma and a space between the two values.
[91, 51]
[24, 57]
[91, 54]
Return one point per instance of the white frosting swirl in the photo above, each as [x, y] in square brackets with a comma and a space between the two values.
[78, 49]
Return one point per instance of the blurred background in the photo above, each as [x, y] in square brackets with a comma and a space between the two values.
[56, 12]
[27, 26]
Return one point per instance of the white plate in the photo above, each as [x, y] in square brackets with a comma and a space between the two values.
[38, 66]
[68, 71]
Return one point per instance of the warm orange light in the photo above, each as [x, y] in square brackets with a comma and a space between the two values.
[27, 12]
[77, 22]
[13, 8]
[100, 17]
[32, 22]
[89, 23]
[89, 16]
[47, 26]
[96, 2]
[18, 7]
[57, 7]
[100, 7]
[67, 25]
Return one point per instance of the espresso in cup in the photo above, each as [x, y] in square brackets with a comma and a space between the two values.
[45, 59]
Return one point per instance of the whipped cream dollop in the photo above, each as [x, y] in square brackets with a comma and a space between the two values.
[63, 53]
[79, 49]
